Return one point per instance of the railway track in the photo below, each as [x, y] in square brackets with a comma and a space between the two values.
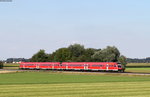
[60, 71]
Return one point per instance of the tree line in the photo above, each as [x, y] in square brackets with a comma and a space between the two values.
[136, 60]
[78, 53]
[16, 60]
[1, 65]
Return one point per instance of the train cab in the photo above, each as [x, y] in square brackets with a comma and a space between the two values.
[120, 67]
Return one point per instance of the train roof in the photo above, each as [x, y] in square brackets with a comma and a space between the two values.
[39, 62]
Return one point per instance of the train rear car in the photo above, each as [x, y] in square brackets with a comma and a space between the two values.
[39, 65]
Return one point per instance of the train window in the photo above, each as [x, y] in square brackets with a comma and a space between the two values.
[29, 64]
[55, 64]
[119, 66]
[45, 64]
[63, 65]
[110, 65]
[97, 65]
[75, 65]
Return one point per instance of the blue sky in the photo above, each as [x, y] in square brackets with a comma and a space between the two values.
[26, 26]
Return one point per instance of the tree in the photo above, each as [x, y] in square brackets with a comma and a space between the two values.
[40, 56]
[50, 58]
[109, 54]
[123, 60]
[76, 50]
[1, 65]
[62, 55]
[87, 56]
[98, 56]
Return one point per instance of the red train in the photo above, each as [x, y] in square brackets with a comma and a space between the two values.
[92, 66]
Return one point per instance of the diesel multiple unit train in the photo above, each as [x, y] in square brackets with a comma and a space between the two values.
[89, 66]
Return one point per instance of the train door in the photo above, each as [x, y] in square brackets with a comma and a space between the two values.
[85, 66]
[23, 65]
[37, 66]
[107, 67]
[67, 66]
[52, 66]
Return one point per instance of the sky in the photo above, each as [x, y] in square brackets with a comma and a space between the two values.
[26, 26]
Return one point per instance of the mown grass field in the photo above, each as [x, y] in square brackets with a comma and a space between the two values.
[138, 67]
[51, 84]
[138, 70]
[138, 64]
[11, 64]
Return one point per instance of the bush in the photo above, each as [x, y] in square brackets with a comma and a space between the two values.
[1, 64]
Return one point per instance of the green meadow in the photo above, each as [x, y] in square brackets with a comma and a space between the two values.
[11, 64]
[58, 84]
[138, 70]
[62, 84]
[138, 67]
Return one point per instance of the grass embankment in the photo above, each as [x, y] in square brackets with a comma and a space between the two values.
[48, 84]
[11, 66]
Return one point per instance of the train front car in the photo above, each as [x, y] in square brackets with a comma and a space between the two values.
[92, 66]
[121, 68]
[111, 66]
[102, 66]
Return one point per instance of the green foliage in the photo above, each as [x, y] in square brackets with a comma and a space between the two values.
[40, 56]
[88, 54]
[11, 60]
[123, 60]
[1, 64]
[80, 54]
[136, 60]
[50, 58]
[77, 53]
[62, 55]
[109, 54]
[76, 50]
